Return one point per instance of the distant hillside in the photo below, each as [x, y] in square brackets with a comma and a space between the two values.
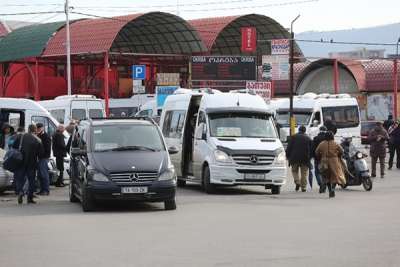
[380, 34]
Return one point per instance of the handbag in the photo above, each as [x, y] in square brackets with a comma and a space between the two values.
[323, 165]
[14, 158]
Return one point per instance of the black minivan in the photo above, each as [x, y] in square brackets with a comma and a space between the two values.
[121, 159]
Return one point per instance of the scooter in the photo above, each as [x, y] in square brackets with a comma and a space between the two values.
[357, 172]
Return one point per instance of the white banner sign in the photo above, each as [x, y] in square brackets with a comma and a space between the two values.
[280, 47]
[275, 67]
[262, 89]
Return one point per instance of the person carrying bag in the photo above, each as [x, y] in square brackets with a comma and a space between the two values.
[14, 158]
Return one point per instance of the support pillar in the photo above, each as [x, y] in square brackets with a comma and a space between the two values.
[336, 76]
[37, 93]
[395, 87]
[2, 77]
[106, 86]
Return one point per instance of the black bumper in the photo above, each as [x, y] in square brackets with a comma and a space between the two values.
[157, 192]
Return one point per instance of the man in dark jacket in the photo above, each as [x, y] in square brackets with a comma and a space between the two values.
[299, 153]
[394, 144]
[59, 151]
[330, 125]
[377, 139]
[43, 171]
[316, 141]
[389, 122]
[31, 148]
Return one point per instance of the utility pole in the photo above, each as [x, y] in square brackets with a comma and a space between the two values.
[291, 59]
[68, 47]
[395, 80]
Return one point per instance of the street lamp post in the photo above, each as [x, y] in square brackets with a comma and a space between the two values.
[291, 117]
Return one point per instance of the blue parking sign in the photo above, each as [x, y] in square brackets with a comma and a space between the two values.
[138, 72]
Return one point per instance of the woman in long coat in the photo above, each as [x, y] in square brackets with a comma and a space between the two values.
[331, 152]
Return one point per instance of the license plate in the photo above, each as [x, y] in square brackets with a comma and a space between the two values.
[255, 176]
[133, 190]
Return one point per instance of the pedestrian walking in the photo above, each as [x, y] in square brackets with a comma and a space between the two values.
[31, 148]
[43, 170]
[329, 154]
[389, 122]
[378, 138]
[316, 141]
[394, 144]
[59, 152]
[330, 125]
[299, 153]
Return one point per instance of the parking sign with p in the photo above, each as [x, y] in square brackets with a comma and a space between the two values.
[139, 72]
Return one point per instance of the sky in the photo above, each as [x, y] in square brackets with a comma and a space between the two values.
[316, 15]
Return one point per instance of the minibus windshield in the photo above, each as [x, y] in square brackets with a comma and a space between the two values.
[252, 125]
[302, 118]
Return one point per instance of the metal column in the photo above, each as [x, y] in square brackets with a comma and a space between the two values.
[106, 86]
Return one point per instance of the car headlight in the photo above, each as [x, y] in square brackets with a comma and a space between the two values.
[222, 157]
[97, 176]
[359, 155]
[280, 156]
[169, 174]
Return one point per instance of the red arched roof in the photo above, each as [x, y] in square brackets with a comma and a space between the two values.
[154, 32]
[210, 28]
[222, 35]
[379, 75]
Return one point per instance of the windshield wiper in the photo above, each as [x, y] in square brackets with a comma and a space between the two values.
[125, 148]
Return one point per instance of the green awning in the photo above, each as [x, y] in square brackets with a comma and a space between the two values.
[29, 41]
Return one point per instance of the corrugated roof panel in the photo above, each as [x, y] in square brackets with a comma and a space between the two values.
[28, 41]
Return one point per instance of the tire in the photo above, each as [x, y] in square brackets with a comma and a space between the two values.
[209, 188]
[181, 183]
[170, 204]
[72, 196]
[276, 189]
[367, 184]
[87, 201]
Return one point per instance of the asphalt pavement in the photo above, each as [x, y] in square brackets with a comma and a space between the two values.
[242, 226]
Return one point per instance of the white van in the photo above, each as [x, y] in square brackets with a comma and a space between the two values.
[20, 112]
[77, 107]
[149, 109]
[128, 107]
[223, 139]
[312, 110]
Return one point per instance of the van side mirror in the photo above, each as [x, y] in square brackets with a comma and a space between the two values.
[76, 151]
[173, 150]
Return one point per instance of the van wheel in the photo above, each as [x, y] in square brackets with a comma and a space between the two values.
[170, 204]
[276, 189]
[87, 201]
[72, 196]
[181, 183]
[208, 187]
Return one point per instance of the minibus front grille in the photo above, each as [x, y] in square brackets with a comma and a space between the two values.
[133, 178]
[253, 160]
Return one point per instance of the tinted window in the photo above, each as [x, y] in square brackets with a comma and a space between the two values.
[122, 112]
[146, 113]
[109, 137]
[49, 126]
[174, 122]
[95, 113]
[344, 117]
[58, 114]
[78, 114]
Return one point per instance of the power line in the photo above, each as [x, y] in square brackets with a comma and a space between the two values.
[166, 6]
[341, 42]
[30, 13]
